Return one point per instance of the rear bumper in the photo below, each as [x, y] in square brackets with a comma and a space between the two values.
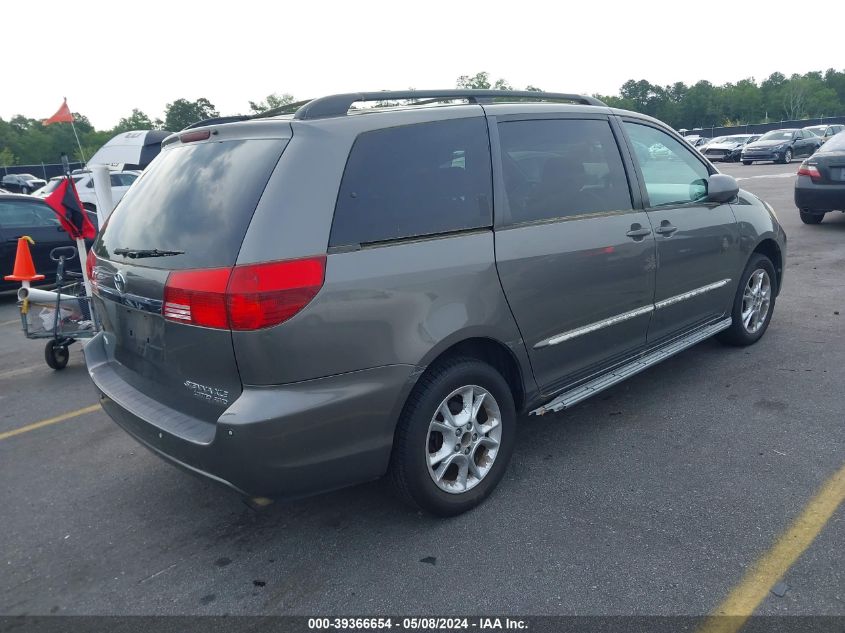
[282, 441]
[813, 197]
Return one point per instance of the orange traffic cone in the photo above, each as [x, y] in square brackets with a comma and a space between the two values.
[24, 267]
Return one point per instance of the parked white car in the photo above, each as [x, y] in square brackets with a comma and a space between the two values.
[84, 181]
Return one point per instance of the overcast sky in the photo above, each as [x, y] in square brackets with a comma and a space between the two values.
[110, 57]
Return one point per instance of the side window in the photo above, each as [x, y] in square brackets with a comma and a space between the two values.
[672, 173]
[15, 214]
[90, 183]
[44, 215]
[415, 180]
[555, 168]
[115, 180]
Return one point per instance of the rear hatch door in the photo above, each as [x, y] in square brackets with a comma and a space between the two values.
[189, 212]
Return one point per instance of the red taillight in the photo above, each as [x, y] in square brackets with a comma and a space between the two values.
[809, 170]
[247, 297]
[89, 266]
[262, 295]
[197, 297]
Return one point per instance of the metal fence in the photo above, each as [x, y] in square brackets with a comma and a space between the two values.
[759, 128]
[42, 170]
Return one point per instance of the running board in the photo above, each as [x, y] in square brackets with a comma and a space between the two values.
[594, 386]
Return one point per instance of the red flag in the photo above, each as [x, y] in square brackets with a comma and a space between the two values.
[62, 116]
[65, 202]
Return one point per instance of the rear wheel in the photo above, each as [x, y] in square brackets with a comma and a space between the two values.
[56, 355]
[753, 304]
[808, 217]
[454, 438]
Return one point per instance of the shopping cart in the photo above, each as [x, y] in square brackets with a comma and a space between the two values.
[63, 316]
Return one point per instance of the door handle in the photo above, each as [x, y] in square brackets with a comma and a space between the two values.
[638, 232]
[666, 228]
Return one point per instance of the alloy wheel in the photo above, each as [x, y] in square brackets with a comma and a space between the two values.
[756, 300]
[463, 439]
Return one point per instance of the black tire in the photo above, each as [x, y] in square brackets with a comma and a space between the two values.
[808, 217]
[409, 470]
[737, 334]
[56, 356]
[787, 157]
[25, 190]
[747, 162]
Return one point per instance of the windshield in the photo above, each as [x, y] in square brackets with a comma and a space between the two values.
[835, 144]
[55, 182]
[721, 139]
[818, 130]
[777, 135]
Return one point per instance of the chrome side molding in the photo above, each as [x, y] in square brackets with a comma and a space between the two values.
[592, 327]
[619, 318]
[689, 295]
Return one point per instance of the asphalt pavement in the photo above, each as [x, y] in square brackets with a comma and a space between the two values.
[651, 499]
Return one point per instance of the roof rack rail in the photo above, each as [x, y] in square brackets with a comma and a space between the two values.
[338, 105]
[288, 108]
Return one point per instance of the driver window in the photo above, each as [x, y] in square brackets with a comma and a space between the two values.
[672, 173]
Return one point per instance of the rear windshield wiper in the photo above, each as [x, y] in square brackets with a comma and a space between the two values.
[136, 253]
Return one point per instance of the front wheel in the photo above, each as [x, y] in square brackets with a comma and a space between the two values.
[753, 304]
[787, 157]
[454, 438]
[56, 355]
[25, 190]
[808, 217]
[746, 162]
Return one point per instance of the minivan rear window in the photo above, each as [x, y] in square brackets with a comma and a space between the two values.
[415, 180]
[196, 198]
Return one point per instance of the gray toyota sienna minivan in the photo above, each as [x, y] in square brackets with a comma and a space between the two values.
[292, 303]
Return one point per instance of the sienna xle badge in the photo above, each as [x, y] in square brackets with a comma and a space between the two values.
[299, 301]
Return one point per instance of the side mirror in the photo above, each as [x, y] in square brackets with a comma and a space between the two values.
[721, 188]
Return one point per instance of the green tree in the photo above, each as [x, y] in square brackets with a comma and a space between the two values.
[271, 102]
[181, 113]
[138, 120]
[481, 81]
[7, 157]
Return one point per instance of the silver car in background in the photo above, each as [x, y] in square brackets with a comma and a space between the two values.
[727, 148]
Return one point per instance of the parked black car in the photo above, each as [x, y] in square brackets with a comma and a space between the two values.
[22, 183]
[26, 215]
[820, 186]
[781, 146]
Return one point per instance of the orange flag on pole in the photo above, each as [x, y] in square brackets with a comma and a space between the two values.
[62, 116]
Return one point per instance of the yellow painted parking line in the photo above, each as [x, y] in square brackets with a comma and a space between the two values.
[59, 418]
[770, 568]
